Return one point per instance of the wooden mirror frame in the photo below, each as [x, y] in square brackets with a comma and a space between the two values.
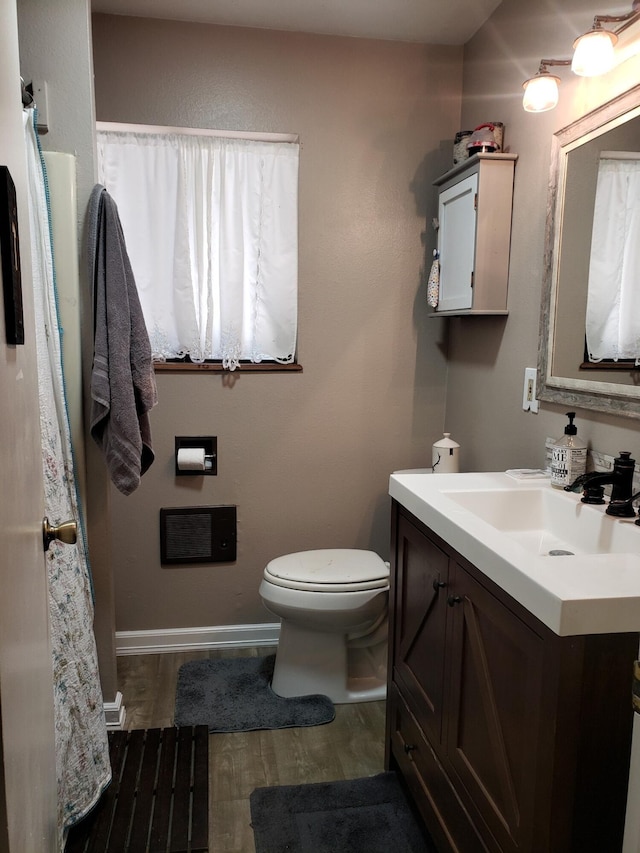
[602, 396]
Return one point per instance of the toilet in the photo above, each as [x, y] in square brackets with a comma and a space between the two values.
[333, 607]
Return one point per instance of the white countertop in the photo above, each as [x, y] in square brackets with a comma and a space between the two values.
[586, 593]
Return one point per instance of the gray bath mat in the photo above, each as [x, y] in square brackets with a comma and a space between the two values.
[368, 815]
[235, 695]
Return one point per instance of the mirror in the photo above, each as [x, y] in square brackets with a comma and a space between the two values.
[574, 169]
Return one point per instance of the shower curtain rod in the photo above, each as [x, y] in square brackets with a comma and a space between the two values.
[254, 136]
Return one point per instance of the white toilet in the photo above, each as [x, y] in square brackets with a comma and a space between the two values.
[333, 606]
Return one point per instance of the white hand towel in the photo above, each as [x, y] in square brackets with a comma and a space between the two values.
[433, 283]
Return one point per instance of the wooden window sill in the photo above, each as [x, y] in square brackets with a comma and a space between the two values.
[216, 367]
[609, 365]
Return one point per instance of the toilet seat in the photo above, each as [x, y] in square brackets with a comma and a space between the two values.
[329, 570]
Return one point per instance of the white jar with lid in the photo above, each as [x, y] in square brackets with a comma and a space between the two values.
[446, 455]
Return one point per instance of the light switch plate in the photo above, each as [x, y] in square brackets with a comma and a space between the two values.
[529, 401]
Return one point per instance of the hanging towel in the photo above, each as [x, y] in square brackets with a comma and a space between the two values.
[433, 284]
[82, 749]
[123, 386]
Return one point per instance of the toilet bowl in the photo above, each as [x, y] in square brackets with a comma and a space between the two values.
[332, 604]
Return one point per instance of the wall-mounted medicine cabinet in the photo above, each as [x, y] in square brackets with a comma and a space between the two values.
[475, 201]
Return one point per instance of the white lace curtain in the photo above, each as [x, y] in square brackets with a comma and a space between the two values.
[211, 230]
[613, 305]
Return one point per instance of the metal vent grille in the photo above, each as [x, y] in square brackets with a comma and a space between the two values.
[198, 534]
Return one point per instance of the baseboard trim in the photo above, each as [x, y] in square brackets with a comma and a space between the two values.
[115, 713]
[166, 640]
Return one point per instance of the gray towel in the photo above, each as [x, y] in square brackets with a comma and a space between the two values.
[123, 386]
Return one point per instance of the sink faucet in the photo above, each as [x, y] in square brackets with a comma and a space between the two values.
[621, 481]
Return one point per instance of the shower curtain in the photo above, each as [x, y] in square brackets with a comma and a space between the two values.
[82, 755]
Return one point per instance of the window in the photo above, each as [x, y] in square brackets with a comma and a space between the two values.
[210, 224]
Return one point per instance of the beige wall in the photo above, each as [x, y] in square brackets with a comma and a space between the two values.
[487, 357]
[306, 457]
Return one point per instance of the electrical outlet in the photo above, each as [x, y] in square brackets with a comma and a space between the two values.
[529, 401]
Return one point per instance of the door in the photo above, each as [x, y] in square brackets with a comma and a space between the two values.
[27, 768]
[457, 244]
[421, 591]
[495, 716]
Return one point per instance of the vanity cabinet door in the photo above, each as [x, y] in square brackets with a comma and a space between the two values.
[493, 729]
[512, 739]
[421, 590]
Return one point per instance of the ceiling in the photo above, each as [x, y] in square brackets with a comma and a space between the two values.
[428, 21]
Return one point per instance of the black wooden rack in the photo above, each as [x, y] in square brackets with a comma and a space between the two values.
[158, 799]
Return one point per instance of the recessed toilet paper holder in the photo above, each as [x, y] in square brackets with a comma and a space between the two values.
[209, 444]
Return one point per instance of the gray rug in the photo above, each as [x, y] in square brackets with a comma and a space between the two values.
[235, 695]
[368, 815]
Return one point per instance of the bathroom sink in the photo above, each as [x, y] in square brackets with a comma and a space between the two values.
[549, 522]
[571, 565]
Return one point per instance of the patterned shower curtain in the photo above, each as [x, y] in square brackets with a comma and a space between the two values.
[82, 756]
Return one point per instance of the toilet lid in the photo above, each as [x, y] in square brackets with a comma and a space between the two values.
[329, 570]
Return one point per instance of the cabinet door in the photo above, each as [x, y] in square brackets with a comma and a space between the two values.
[421, 587]
[456, 243]
[494, 721]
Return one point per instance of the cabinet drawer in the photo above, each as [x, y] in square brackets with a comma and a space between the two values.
[444, 815]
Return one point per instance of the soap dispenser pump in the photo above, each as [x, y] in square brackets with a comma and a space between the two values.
[568, 456]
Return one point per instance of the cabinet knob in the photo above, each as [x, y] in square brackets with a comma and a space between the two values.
[453, 599]
[409, 748]
[439, 585]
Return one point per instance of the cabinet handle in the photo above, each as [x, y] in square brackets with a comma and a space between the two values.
[453, 599]
[409, 748]
[439, 585]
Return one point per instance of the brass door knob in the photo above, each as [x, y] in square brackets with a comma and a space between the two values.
[66, 532]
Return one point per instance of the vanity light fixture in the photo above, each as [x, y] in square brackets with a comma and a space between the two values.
[593, 52]
[541, 90]
[593, 56]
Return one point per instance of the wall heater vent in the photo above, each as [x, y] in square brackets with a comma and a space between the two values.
[197, 534]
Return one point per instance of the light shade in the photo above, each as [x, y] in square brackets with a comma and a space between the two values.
[540, 93]
[593, 53]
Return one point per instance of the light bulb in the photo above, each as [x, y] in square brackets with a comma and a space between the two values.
[540, 93]
[593, 53]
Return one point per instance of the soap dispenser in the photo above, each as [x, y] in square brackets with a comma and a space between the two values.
[568, 456]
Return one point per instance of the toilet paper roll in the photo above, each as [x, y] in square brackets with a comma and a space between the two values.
[191, 459]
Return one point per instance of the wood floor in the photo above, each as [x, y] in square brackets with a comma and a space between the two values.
[349, 747]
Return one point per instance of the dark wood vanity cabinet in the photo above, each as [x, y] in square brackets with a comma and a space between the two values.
[509, 737]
